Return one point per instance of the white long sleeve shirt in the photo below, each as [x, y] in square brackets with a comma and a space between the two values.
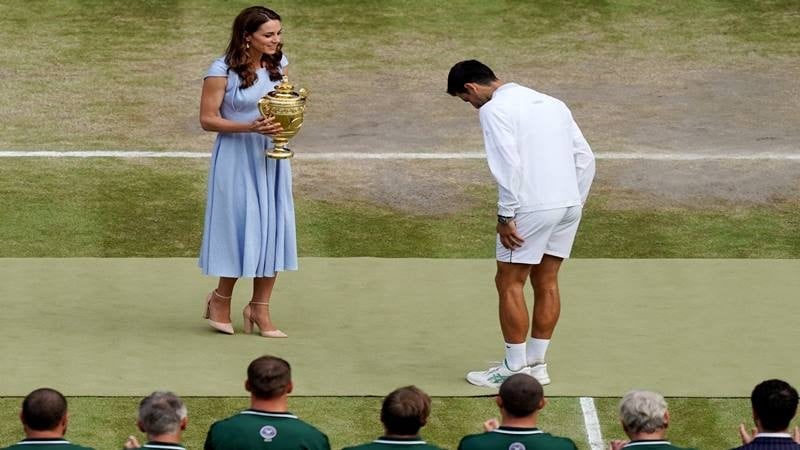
[535, 150]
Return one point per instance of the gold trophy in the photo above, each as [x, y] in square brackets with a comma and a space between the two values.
[286, 106]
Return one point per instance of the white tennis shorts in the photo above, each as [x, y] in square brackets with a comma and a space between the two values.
[551, 232]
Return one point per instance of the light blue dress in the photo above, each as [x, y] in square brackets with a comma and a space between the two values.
[249, 222]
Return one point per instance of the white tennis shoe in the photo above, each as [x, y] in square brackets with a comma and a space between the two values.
[494, 376]
[539, 371]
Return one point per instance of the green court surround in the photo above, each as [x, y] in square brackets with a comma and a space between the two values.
[363, 326]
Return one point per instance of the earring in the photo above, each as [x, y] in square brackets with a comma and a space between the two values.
[247, 46]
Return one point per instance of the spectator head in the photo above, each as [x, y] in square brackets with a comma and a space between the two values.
[643, 412]
[520, 396]
[44, 409]
[269, 377]
[774, 405]
[162, 413]
[405, 411]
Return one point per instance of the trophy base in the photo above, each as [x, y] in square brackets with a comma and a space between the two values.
[279, 153]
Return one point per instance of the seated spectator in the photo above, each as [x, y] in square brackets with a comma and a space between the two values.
[44, 419]
[163, 418]
[403, 413]
[268, 423]
[520, 399]
[774, 405]
[645, 419]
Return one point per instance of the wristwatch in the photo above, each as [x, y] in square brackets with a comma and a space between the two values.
[504, 219]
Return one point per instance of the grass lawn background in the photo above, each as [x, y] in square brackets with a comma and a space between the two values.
[88, 75]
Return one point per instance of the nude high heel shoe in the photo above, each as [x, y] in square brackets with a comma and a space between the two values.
[250, 319]
[226, 328]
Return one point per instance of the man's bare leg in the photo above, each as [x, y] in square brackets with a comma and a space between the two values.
[546, 306]
[510, 282]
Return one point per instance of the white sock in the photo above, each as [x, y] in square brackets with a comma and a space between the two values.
[515, 356]
[536, 350]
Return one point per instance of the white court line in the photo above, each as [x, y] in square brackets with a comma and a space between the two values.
[593, 433]
[389, 156]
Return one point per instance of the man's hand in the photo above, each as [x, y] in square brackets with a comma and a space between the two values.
[796, 435]
[508, 235]
[131, 442]
[617, 444]
[747, 437]
[491, 424]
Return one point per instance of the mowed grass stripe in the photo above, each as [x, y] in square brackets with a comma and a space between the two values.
[154, 208]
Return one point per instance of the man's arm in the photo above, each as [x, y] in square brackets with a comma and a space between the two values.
[584, 162]
[503, 159]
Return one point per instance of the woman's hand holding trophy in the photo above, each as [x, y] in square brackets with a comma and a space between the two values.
[283, 108]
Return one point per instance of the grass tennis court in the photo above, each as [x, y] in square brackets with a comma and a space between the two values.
[363, 326]
[681, 76]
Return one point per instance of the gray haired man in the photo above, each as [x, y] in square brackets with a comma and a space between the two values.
[645, 419]
[163, 418]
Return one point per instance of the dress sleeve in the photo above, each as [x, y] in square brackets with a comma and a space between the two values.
[218, 68]
[284, 61]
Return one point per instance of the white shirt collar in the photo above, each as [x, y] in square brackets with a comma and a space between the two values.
[781, 435]
[503, 87]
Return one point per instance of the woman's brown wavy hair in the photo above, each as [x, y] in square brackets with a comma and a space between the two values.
[238, 58]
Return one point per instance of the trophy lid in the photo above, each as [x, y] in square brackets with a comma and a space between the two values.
[284, 90]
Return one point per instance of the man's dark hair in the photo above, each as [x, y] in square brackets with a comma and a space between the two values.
[521, 395]
[470, 71]
[43, 409]
[405, 411]
[268, 377]
[774, 404]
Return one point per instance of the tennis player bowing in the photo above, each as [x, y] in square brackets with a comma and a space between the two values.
[544, 168]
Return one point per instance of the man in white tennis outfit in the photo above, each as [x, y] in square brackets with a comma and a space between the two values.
[544, 168]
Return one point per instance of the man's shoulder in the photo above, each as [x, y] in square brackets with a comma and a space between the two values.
[514, 91]
[160, 446]
[474, 440]
[249, 417]
[559, 442]
[60, 445]
[378, 444]
[662, 445]
[547, 440]
[516, 96]
[254, 428]
[764, 443]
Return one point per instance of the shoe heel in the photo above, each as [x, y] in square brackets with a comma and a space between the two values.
[248, 321]
[207, 312]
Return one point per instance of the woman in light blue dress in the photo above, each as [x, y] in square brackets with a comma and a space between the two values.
[249, 222]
